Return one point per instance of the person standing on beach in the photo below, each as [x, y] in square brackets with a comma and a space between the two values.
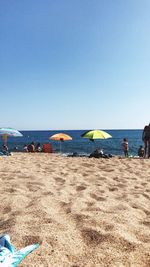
[146, 140]
[125, 147]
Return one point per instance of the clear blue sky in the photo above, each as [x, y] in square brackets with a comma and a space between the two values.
[74, 64]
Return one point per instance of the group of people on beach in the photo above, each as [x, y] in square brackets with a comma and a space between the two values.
[143, 152]
[32, 147]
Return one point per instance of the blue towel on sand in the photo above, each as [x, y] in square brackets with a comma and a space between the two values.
[9, 256]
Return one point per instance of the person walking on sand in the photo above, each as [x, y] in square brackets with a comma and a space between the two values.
[125, 147]
[146, 140]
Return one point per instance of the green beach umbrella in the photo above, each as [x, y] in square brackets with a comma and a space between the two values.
[96, 134]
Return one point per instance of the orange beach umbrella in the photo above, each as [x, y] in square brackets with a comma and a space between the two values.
[60, 137]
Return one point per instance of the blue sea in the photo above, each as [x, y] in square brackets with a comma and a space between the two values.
[79, 144]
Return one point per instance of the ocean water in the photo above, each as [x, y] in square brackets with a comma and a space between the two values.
[79, 144]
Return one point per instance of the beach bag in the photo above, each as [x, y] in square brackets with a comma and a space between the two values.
[47, 148]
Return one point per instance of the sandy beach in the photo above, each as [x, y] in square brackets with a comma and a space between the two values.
[87, 212]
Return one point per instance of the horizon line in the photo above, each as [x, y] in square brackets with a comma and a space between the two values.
[118, 129]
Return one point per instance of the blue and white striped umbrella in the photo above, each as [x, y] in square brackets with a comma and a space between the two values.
[10, 132]
[5, 132]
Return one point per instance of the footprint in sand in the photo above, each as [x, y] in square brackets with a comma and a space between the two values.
[121, 185]
[17, 213]
[124, 245]
[48, 193]
[92, 237]
[90, 204]
[112, 189]
[146, 196]
[10, 190]
[52, 241]
[137, 187]
[80, 187]
[60, 181]
[7, 224]
[120, 207]
[88, 165]
[66, 206]
[94, 209]
[6, 210]
[33, 187]
[101, 191]
[123, 196]
[143, 238]
[80, 219]
[116, 179]
[146, 223]
[108, 227]
[143, 184]
[102, 178]
[85, 174]
[47, 221]
[94, 196]
[136, 206]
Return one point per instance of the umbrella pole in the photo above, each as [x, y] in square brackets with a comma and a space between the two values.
[60, 146]
[4, 138]
[93, 147]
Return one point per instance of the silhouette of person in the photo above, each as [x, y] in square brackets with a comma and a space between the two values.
[146, 140]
